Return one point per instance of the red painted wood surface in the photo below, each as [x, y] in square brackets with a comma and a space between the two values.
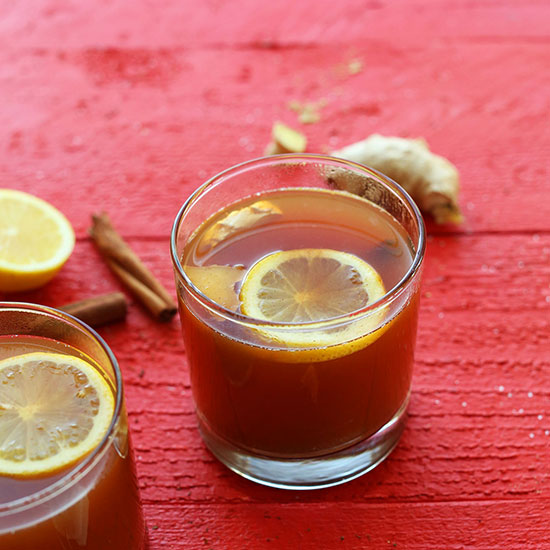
[127, 106]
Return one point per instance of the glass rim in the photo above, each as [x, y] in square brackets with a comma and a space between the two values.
[72, 476]
[296, 158]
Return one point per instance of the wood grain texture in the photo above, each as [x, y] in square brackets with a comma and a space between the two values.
[128, 106]
[102, 145]
[452, 526]
[223, 24]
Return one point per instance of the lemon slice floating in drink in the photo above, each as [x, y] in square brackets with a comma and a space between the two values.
[54, 410]
[35, 241]
[310, 286]
[217, 282]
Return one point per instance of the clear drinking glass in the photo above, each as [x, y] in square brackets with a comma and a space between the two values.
[309, 404]
[94, 504]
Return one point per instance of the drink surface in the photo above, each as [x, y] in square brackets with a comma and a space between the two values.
[298, 219]
[99, 511]
[272, 395]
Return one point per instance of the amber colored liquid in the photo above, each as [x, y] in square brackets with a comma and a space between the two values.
[249, 392]
[101, 511]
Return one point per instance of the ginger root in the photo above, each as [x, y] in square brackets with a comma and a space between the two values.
[285, 139]
[253, 215]
[431, 180]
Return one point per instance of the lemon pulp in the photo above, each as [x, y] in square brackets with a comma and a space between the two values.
[304, 287]
[54, 410]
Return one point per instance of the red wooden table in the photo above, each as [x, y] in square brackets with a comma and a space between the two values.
[127, 105]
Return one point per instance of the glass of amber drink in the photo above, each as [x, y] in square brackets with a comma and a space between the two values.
[67, 477]
[298, 281]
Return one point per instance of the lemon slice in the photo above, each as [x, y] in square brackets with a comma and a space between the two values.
[217, 282]
[35, 241]
[54, 410]
[310, 286]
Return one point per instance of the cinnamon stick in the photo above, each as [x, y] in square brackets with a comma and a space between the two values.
[148, 298]
[126, 264]
[99, 310]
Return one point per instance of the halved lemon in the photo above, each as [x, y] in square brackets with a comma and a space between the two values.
[54, 410]
[35, 241]
[310, 286]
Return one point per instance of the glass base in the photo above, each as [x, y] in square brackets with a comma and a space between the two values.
[310, 473]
